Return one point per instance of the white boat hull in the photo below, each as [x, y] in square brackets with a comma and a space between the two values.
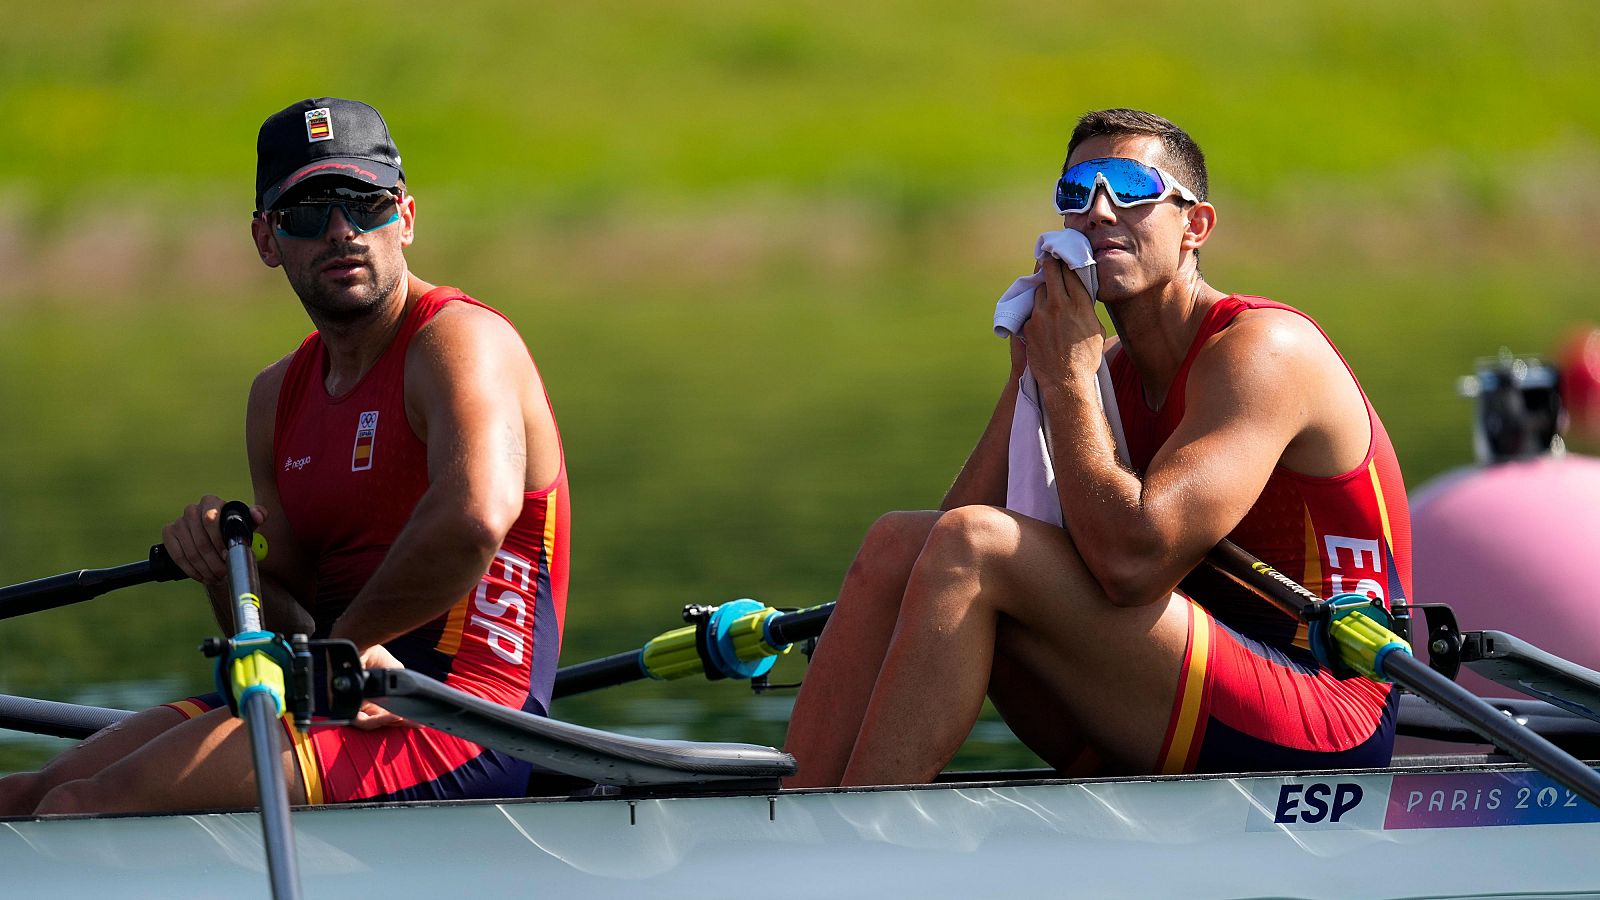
[1434, 833]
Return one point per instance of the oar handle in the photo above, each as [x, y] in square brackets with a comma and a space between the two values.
[237, 525]
[85, 584]
[1242, 568]
[751, 635]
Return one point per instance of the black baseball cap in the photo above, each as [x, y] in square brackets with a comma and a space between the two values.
[323, 136]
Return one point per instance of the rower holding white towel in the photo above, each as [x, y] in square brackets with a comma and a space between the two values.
[1240, 420]
[1030, 474]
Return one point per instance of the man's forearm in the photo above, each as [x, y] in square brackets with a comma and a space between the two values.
[435, 561]
[1102, 501]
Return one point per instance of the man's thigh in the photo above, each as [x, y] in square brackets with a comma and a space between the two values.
[1263, 709]
[343, 764]
[1112, 685]
[203, 763]
[1111, 674]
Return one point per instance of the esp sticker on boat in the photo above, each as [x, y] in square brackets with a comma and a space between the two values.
[1320, 804]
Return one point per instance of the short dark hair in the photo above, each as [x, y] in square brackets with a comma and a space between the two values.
[1183, 156]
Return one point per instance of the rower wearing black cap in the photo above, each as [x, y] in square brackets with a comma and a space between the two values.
[409, 481]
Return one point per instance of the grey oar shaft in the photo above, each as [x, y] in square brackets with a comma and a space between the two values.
[259, 712]
[1516, 739]
[273, 792]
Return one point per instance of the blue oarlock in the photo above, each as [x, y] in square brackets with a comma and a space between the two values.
[737, 640]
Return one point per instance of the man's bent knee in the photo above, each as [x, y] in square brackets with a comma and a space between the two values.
[20, 793]
[972, 535]
[900, 533]
[891, 546]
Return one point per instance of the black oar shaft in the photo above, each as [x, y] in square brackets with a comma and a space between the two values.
[625, 667]
[1259, 578]
[618, 668]
[85, 584]
[793, 627]
[1506, 733]
[1405, 670]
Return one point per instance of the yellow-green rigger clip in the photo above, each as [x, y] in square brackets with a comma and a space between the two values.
[1358, 632]
[671, 655]
[255, 662]
[737, 644]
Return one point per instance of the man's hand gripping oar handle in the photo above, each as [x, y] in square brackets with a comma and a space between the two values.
[1346, 635]
[254, 660]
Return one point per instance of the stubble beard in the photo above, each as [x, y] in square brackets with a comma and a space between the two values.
[335, 305]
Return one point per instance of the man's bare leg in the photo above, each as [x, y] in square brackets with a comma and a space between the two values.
[1115, 669]
[203, 763]
[828, 712]
[1038, 721]
[21, 793]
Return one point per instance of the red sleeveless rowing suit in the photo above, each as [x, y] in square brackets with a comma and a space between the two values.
[349, 473]
[1250, 695]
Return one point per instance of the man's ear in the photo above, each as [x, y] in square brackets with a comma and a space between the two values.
[266, 243]
[408, 220]
[1199, 222]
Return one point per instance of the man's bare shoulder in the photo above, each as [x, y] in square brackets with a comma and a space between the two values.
[268, 383]
[1275, 368]
[462, 326]
[1274, 344]
[466, 347]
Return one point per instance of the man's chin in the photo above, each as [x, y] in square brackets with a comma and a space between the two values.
[1112, 291]
[341, 306]
[345, 300]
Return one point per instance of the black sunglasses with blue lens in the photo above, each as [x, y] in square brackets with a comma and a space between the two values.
[308, 217]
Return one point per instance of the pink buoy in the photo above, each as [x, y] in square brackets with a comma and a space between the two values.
[1512, 547]
[1509, 544]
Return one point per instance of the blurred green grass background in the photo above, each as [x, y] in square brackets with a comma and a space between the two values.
[753, 247]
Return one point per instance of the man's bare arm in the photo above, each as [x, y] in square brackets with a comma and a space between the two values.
[1262, 386]
[475, 399]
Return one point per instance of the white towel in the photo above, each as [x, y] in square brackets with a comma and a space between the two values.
[1030, 475]
[1016, 304]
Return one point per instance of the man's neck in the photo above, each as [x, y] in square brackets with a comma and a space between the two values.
[1158, 327]
[354, 346]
